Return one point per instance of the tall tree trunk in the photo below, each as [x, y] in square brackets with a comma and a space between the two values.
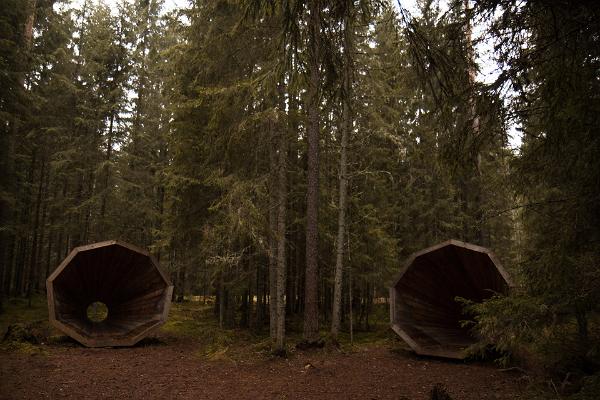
[104, 201]
[296, 207]
[22, 267]
[140, 103]
[281, 232]
[11, 275]
[33, 261]
[343, 179]
[42, 225]
[477, 189]
[272, 238]
[60, 245]
[77, 237]
[28, 33]
[311, 307]
[89, 194]
[160, 195]
[350, 296]
[221, 300]
[49, 253]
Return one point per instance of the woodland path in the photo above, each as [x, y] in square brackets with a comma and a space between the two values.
[175, 371]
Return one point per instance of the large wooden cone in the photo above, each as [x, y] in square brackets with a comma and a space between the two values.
[423, 309]
[125, 278]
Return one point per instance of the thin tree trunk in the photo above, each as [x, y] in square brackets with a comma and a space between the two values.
[475, 129]
[49, 252]
[42, 229]
[77, 237]
[161, 211]
[272, 239]
[22, 268]
[296, 207]
[61, 229]
[343, 184]
[350, 298]
[221, 300]
[281, 239]
[28, 33]
[52, 229]
[104, 201]
[88, 209]
[183, 280]
[311, 309]
[13, 278]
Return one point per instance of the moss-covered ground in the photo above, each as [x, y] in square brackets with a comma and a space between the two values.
[195, 323]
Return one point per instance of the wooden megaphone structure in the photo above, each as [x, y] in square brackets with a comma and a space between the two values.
[423, 309]
[108, 294]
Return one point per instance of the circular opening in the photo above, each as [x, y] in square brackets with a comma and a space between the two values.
[97, 311]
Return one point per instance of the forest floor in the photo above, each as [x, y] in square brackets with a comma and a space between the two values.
[190, 357]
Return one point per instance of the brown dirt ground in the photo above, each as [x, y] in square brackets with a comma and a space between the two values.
[175, 370]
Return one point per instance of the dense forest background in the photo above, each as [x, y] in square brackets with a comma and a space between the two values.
[285, 157]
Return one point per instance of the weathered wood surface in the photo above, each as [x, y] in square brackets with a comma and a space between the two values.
[125, 278]
[423, 309]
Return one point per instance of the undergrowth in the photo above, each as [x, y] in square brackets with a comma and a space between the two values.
[195, 322]
[17, 310]
[29, 326]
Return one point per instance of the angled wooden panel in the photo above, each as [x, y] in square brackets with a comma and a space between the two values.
[125, 278]
[423, 310]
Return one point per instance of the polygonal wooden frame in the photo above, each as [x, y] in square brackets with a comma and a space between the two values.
[415, 306]
[101, 269]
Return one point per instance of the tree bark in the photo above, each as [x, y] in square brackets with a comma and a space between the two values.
[311, 309]
[22, 268]
[350, 308]
[104, 201]
[272, 239]
[477, 190]
[221, 300]
[28, 32]
[44, 215]
[281, 239]
[343, 180]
